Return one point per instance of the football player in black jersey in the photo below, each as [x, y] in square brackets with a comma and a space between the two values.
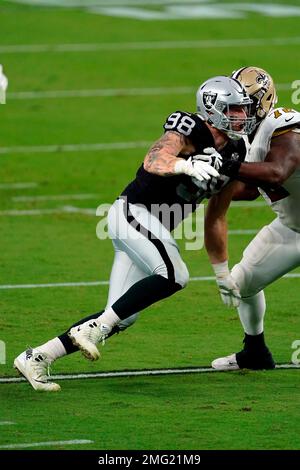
[147, 265]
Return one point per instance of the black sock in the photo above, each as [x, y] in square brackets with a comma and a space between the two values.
[143, 294]
[255, 355]
[255, 343]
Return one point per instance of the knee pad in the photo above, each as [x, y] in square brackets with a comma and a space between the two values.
[181, 273]
[244, 279]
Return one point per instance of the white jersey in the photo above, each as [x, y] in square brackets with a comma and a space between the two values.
[285, 200]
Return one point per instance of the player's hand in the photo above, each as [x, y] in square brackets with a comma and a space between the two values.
[200, 170]
[3, 86]
[210, 156]
[229, 291]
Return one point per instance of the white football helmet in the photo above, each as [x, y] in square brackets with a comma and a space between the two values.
[260, 87]
[215, 99]
[3, 86]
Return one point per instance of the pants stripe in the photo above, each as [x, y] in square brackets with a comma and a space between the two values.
[153, 239]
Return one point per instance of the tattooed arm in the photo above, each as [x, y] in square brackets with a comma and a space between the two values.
[162, 156]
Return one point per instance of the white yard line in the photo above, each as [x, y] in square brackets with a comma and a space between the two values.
[92, 212]
[133, 373]
[243, 232]
[103, 3]
[37, 212]
[47, 444]
[102, 283]
[6, 423]
[59, 284]
[87, 93]
[57, 148]
[103, 92]
[18, 185]
[56, 197]
[151, 45]
[234, 204]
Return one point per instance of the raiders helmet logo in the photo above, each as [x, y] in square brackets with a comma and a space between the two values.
[209, 99]
[262, 79]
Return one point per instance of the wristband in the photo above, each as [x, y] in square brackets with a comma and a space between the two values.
[221, 269]
[180, 166]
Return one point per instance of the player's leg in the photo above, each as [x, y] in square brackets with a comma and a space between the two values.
[125, 273]
[34, 363]
[151, 247]
[271, 254]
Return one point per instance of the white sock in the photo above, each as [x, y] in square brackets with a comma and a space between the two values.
[109, 317]
[252, 312]
[53, 348]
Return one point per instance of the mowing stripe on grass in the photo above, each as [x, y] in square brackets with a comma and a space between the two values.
[47, 444]
[103, 283]
[58, 210]
[48, 94]
[18, 185]
[134, 373]
[58, 148]
[6, 423]
[52, 94]
[92, 212]
[55, 197]
[150, 45]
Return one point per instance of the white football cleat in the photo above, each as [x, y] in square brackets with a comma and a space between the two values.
[87, 335]
[225, 363]
[34, 365]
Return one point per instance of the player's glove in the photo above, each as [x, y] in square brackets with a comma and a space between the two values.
[3, 86]
[226, 167]
[229, 290]
[210, 156]
[200, 170]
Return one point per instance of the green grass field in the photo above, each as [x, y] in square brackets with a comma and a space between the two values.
[42, 243]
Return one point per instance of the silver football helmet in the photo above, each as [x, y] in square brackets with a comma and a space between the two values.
[216, 98]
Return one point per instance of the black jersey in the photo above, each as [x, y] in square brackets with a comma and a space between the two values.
[182, 190]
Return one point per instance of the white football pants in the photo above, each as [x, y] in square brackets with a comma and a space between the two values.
[272, 253]
[138, 255]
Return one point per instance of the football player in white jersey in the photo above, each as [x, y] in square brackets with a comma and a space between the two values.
[3, 86]
[274, 160]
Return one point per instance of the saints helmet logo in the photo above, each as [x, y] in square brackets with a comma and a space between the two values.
[263, 80]
[235, 156]
[209, 99]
